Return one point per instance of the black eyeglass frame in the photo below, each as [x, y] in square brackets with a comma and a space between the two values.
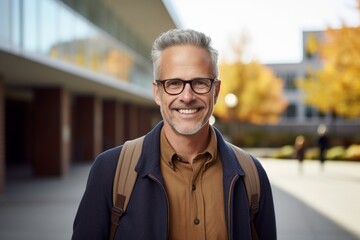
[162, 82]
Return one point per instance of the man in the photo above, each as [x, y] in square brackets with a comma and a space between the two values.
[323, 143]
[189, 183]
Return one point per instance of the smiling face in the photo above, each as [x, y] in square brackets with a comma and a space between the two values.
[188, 112]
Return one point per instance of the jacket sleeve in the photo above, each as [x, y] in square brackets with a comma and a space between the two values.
[265, 223]
[92, 220]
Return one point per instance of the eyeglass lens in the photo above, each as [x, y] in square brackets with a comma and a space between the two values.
[176, 86]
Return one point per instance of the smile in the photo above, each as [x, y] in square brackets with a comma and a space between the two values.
[188, 111]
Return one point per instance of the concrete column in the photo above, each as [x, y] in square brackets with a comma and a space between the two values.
[113, 123]
[51, 132]
[2, 136]
[87, 132]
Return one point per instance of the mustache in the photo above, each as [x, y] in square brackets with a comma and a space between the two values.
[186, 106]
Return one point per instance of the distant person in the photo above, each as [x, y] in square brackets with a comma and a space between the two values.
[300, 151]
[190, 184]
[323, 143]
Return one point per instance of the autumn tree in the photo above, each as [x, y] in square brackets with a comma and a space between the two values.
[335, 88]
[259, 92]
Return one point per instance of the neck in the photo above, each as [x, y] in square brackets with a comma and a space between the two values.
[188, 146]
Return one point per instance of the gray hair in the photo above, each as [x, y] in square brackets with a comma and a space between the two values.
[177, 37]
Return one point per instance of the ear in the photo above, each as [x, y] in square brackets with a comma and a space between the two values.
[156, 93]
[217, 90]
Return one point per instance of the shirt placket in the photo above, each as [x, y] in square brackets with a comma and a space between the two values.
[198, 213]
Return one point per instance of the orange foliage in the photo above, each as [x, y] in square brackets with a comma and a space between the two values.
[259, 92]
[336, 87]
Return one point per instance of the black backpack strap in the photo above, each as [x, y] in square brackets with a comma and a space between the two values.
[124, 180]
[252, 184]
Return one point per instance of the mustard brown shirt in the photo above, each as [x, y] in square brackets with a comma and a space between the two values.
[195, 192]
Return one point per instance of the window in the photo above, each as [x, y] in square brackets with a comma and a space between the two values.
[291, 111]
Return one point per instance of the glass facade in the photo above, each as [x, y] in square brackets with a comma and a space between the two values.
[5, 20]
[52, 29]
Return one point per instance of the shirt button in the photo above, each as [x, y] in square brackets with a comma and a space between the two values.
[193, 187]
[196, 221]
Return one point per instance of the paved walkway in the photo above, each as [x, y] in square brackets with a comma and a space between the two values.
[313, 205]
[41, 209]
[316, 204]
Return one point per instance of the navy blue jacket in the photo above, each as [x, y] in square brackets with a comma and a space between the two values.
[147, 212]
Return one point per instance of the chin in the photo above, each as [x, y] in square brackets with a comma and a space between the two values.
[188, 131]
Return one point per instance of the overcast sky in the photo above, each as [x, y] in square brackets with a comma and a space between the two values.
[274, 26]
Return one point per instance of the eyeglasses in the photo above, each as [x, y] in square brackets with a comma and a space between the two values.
[175, 86]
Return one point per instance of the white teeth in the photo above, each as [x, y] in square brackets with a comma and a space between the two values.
[187, 111]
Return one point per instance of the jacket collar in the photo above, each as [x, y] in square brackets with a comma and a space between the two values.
[149, 162]
[228, 157]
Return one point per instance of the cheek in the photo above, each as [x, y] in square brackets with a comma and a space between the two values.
[213, 98]
[161, 99]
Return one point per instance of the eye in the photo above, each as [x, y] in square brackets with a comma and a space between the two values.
[201, 82]
[173, 83]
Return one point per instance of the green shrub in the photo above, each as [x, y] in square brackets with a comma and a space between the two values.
[312, 153]
[335, 153]
[353, 152]
[284, 152]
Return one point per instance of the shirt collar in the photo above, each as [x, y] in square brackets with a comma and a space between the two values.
[170, 157]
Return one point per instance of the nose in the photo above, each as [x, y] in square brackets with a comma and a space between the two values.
[187, 94]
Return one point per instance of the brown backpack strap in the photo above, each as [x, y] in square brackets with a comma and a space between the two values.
[124, 180]
[252, 183]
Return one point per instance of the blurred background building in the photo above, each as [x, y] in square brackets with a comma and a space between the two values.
[299, 117]
[75, 79]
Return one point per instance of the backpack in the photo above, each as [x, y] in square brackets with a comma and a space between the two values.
[125, 177]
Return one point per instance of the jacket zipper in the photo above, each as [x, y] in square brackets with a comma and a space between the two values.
[167, 200]
[229, 203]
